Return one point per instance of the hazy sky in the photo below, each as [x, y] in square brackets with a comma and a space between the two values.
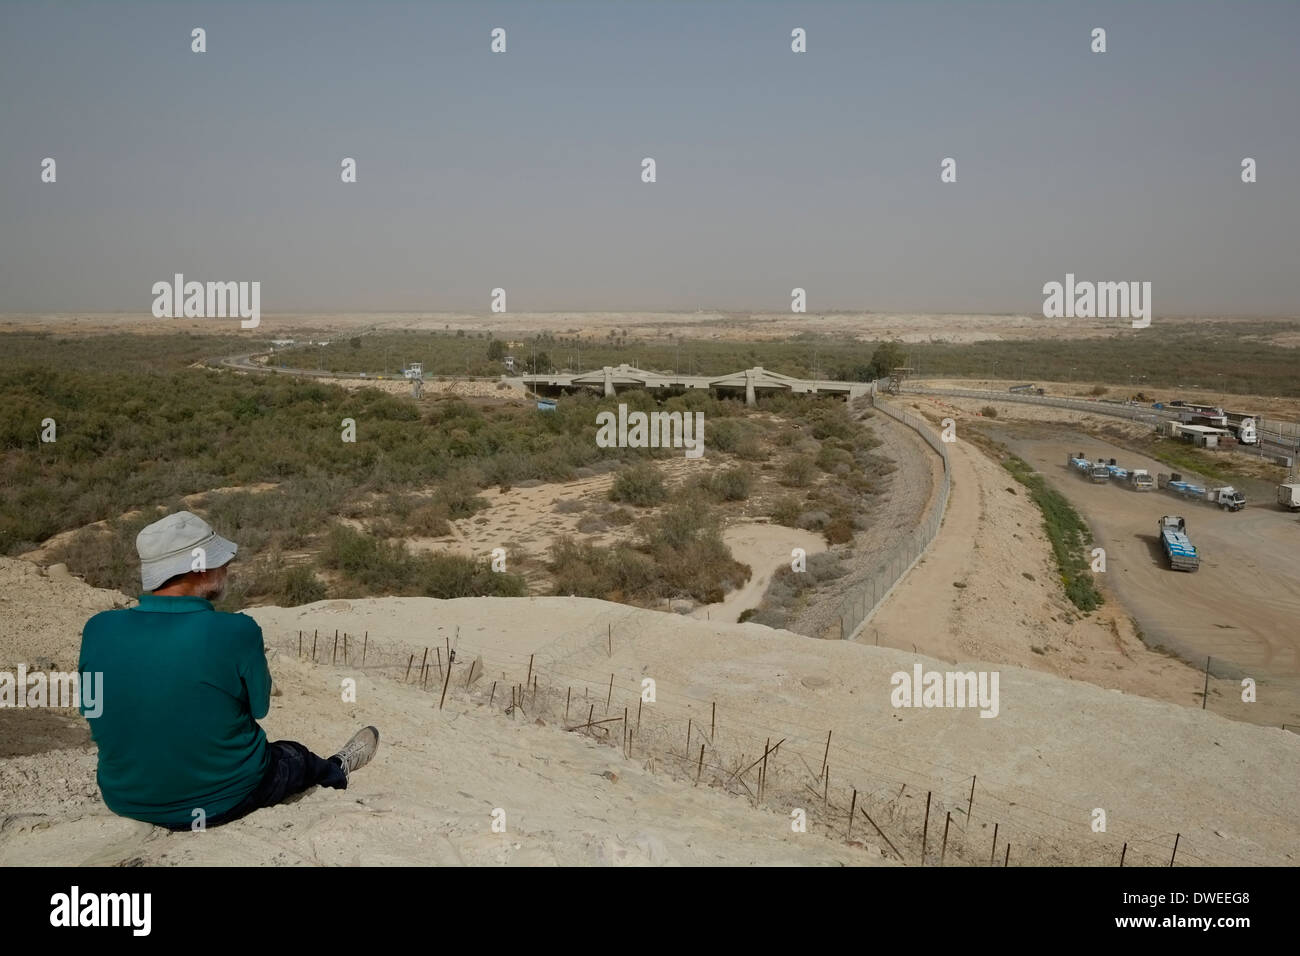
[775, 169]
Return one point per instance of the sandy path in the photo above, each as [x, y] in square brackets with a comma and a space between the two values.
[765, 548]
[908, 492]
[916, 615]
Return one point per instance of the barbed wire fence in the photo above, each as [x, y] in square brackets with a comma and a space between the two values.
[858, 606]
[916, 810]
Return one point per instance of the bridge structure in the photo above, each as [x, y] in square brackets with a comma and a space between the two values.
[751, 382]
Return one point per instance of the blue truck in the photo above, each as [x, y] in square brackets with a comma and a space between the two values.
[1177, 545]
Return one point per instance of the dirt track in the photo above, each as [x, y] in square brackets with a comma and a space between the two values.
[987, 591]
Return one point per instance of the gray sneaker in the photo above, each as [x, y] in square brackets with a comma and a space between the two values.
[356, 753]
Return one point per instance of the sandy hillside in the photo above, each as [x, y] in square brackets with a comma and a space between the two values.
[1056, 750]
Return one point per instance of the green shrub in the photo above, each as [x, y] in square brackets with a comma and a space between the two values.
[797, 472]
[839, 531]
[730, 484]
[680, 554]
[618, 517]
[639, 485]
[298, 586]
[726, 434]
[458, 500]
[429, 521]
[786, 511]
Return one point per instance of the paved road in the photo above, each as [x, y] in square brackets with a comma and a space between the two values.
[245, 363]
[1130, 412]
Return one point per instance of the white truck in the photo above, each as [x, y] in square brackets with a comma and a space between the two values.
[414, 371]
[1243, 427]
[1228, 498]
[1099, 472]
[1139, 479]
[1288, 494]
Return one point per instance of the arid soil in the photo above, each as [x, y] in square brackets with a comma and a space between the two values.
[1056, 750]
[910, 488]
[726, 326]
[1158, 626]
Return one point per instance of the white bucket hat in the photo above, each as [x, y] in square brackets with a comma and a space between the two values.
[177, 544]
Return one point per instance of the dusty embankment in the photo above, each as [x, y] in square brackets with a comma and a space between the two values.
[988, 586]
[988, 589]
[1056, 750]
[909, 490]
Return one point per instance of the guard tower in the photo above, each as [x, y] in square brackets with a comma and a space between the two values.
[896, 378]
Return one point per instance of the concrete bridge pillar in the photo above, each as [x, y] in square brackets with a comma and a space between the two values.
[609, 381]
[750, 375]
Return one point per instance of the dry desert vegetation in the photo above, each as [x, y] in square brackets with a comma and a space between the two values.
[754, 726]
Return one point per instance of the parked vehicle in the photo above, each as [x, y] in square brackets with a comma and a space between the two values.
[1244, 427]
[1177, 545]
[1099, 473]
[1139, 479]
[1175, 483]
[1288, 493]
[1228, 498]
[1080, 464]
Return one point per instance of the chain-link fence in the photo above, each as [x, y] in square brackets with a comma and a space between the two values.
[864, 599]
[1275, 436]
[1079, 405]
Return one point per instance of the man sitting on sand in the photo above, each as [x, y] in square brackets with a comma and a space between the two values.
[179, 743]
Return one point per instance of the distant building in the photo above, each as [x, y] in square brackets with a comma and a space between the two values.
[281, 343]
[509, 361]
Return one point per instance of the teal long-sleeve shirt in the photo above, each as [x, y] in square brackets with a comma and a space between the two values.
[181, 689]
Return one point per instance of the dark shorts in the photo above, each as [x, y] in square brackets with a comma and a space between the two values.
[293, 769]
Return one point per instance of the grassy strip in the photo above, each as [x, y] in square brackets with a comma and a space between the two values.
[1066, 531]
[1183, 457]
